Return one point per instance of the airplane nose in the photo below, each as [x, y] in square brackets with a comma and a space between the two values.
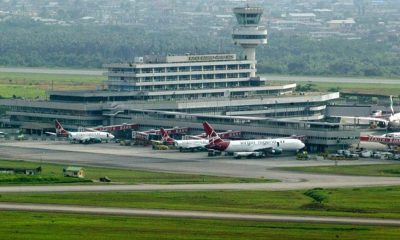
[302, 145]
[111, 136]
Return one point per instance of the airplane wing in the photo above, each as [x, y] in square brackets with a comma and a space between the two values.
[350, 119]
[196, 147]
[267, 149]
[261, 149]
[87, 140]
[196, 137]
[91, 130]
[51, 133]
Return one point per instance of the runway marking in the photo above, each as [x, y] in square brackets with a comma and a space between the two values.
[195, 214]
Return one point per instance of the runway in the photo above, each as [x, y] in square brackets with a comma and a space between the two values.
[173, 161]
[195, 214]
[278, 186]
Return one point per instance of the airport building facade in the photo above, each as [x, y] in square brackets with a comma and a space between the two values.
[218, 86]
[318, 136]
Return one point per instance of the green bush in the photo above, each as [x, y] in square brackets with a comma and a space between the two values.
[317, 194]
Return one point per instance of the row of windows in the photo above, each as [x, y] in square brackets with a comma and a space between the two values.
[182, 86]
[182, 77]
[76, 122]
[248, 18]
[55, 111]
[182, 69]
[236, 36]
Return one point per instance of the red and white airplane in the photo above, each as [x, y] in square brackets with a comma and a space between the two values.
[390, 139]
[190, 144]
[251, 148]
[85, 137]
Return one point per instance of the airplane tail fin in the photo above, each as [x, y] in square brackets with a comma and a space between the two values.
[211, 134]
[391, 104]
[165, 137]
[59, 128]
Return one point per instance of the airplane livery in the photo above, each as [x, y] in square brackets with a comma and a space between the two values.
[249, 148]
[82, 137]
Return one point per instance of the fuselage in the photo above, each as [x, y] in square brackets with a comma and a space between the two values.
[285, 144]
[85, 136]
[386, 139]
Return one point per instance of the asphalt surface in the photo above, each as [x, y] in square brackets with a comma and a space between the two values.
[173, 161]
[306, 184]
[195, 214]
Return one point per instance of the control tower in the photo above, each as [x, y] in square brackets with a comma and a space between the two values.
[248, 33]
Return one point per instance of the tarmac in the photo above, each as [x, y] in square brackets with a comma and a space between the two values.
[115, 156]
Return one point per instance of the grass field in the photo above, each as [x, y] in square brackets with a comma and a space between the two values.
[361, 202]
[384, 170]
[33, 85]
[385, 89]
[52, 173]
[27, 225]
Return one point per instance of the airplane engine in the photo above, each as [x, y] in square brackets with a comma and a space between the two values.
[381, 124]
[276, 151]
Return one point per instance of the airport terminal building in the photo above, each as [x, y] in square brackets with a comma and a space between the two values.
[212, 86]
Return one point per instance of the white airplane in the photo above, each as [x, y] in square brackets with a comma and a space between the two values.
[190, 144]
[251, 148]
[82, 137]
[391, 121]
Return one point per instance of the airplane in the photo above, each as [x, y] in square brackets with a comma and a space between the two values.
[251, 148]
[389, 139]
[85, 137]
[390, 121]
[190, 144]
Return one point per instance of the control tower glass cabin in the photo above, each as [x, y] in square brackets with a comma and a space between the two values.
[248, 33]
